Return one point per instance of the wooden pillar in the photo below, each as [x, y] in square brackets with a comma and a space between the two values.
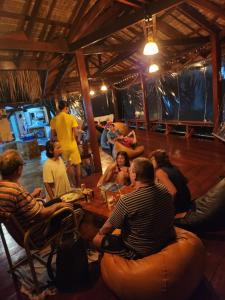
[88, 109]
[115, 104]
[145, 100]
[216, 80]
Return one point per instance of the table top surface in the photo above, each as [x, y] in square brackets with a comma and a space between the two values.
[98, 205]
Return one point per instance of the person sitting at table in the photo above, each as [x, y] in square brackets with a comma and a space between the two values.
[172, 178]
[54, 171]
[118, 171]
[15, 199]
[145, 217]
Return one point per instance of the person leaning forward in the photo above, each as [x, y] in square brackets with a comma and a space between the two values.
[144, 216]
[64, 129]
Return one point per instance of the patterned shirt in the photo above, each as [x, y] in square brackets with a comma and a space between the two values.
[16, 200]
[145, 218]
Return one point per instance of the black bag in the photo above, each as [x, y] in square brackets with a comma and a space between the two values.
[71, 266]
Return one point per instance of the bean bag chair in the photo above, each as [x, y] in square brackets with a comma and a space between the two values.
[209, 211]
[173, 273]
[132, 153]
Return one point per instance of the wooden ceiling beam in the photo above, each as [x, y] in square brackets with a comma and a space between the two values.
[168, 30]
[34, 14]
[210, 7]
[130, 3]
[125, 47]
[62, 70]
[26, 45]
[193, 14]
[114, 61]
[77, 18]
[122, 23]
[16, 16]
[87, 21]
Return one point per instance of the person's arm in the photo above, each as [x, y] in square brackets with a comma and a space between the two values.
[49, 188]
[163, 178]
[107, 175]
[115, 221]
[75, 133]
[36, 192]
[45, 212]
[53, 135]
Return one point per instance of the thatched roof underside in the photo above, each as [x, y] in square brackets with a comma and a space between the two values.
[43, 35]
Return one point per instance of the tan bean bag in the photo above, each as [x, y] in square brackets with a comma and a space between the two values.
[171, 274]
[132, 153]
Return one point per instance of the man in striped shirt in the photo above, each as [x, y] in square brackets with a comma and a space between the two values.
[144, 216]
[13, 196]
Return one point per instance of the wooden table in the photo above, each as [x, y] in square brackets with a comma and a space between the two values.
[98, 206]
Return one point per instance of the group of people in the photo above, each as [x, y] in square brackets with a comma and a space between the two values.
[145, 216]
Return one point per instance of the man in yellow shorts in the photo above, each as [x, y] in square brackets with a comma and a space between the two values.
[64, 129]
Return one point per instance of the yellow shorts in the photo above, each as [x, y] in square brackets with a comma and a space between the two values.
[72, 156]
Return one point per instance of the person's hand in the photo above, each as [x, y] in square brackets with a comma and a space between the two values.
[65, 204]
[37, 192]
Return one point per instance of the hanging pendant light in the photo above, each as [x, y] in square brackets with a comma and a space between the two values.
[104, 88]
[153, 68]
[151, 47]
[92, 92]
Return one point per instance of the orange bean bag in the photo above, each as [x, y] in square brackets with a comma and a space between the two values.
[173, 273]
[132, 153]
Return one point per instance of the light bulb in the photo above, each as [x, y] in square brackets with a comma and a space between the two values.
[104, 88]
[92, 92]
[150, 48]
[153, 68]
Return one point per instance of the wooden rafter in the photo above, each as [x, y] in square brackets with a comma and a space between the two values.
[114, 61]
[122, 23]
[62, 70]
[26, 45]
[34, 14]
[198, 18]
[88, 20]
[130, 3]
[80, 10]
[127, 46]
[210, 7]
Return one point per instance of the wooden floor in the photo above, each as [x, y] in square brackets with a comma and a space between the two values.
[201, 160]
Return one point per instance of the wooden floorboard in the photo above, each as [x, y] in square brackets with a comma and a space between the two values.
[203, 163]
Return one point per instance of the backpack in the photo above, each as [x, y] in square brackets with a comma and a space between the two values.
[71, 266]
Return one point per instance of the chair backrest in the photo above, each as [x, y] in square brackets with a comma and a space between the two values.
[42, 233]
[13, 227]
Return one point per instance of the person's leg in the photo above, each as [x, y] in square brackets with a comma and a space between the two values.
[71, 174]
[77, 173]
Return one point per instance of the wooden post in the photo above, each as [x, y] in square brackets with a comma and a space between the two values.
[115, 104]
[145, 101]
[216, 81]
[88, 109]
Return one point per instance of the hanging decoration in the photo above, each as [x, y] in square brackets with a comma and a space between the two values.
[126, 82]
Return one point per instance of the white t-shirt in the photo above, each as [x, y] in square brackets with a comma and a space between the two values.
[54, 171]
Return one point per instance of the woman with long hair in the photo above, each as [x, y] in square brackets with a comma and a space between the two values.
[118, 171]
[172, 178]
